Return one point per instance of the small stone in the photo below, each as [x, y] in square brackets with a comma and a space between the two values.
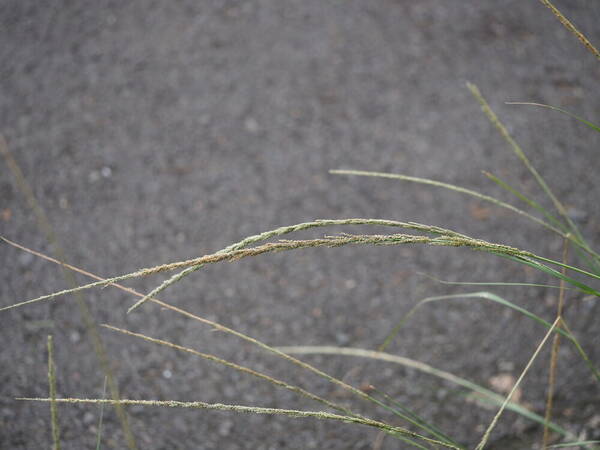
[25, 259]
[204, 119]
[506, 366]
[251, 125]
[342, 338]
[75, 336]
[88, 418]
[63, 203]
[106, 172]
[225, 427]
[577, 215]
[350, 284]
[94, 176]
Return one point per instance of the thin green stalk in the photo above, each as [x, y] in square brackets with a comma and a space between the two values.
[583, 354]
[595, 257]
[489, 283]
[237, 367]
[555, 273]
[53, 407]
[422, 423]
[472, 295]
[294, 413]
[493, 118]
[574, 444]
[494, 421]
[451, 187]
[497, 299]
[563, 111]
[530, 202]
[425, 368]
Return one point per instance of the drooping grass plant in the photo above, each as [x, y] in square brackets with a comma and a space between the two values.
[354, 352]
[560, 224]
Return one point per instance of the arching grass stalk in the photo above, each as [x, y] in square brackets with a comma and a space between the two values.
[220, 327]
[451, 187]
[434, 431]
[237, 367]
[450, 239]
[252, 409]
[278, 232]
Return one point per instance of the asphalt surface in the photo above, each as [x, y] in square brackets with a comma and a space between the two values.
[154, 132]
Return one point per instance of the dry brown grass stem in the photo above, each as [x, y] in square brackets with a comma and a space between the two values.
[569, 26]
[554, 353]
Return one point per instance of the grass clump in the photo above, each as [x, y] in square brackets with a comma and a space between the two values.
[417, 432]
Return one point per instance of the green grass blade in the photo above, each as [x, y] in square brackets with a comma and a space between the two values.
[583, 354]
[497, 299]
[530, 202]
[425, 368]
[418, 419]
[493, 118]
[490, 283]
[574, 444]
[555, 273]
[472, 295]
[451, 187]
[554, 108]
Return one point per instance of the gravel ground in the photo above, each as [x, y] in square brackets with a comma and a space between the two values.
[152, 132]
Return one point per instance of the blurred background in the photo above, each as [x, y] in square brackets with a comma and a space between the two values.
[153, 132]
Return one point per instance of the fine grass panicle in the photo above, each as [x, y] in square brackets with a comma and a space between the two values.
[411, 428]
